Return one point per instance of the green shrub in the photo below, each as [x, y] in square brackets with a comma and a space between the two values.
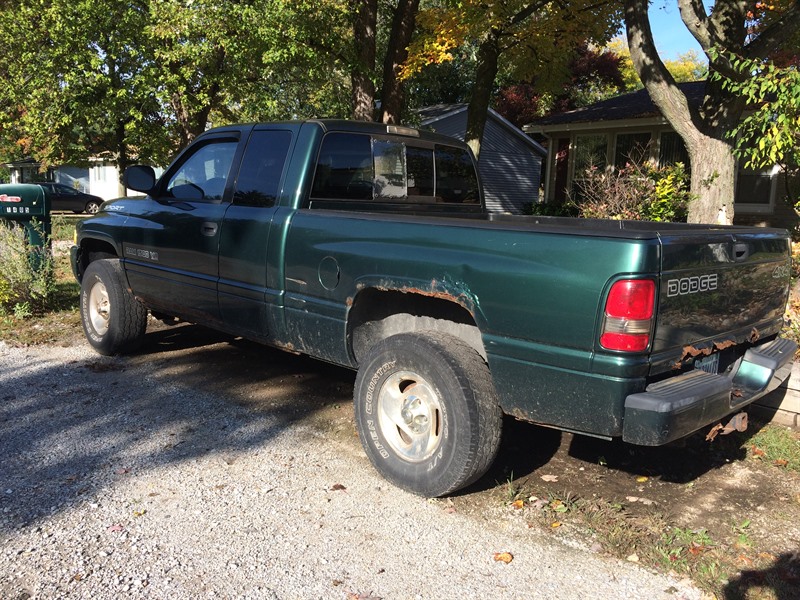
[26, 271]
[636, 192]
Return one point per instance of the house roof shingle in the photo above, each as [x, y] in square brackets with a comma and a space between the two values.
[635, 105]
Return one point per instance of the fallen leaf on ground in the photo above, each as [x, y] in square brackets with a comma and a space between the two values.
[338, 487]
[122, 471]
[518, 504]
[641, 479]
[116, 527]
[780, 462]
[633, 558]
[503, 557]
[550, 478]
[555, 525]
[757, 451]
[696, 549]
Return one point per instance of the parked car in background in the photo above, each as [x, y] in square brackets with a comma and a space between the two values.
[64, 197]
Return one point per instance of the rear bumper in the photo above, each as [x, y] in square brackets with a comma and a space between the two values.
[676, 407]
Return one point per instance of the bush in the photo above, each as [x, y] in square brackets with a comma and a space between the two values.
[26, 272]
[548, 209]
[636, 192]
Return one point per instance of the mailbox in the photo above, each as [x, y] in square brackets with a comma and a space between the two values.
[28, 205]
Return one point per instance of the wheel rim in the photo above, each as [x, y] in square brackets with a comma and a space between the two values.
[99, 308]
[410, 416]
[92, 208]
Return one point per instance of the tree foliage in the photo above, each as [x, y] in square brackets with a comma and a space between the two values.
[593, 75]
[745, 29]
[770, 133]
[521, 38]
[687, 66]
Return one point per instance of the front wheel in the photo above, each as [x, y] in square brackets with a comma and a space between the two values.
[427, 413]
[113, 319]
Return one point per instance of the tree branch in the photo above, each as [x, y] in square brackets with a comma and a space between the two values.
[656, 78]
[695, 17]
[774, 36]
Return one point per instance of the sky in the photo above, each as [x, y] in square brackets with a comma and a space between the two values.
[670, 34]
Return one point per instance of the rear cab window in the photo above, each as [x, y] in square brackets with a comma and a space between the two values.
[356, 169]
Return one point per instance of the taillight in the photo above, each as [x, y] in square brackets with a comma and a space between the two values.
[629, 315]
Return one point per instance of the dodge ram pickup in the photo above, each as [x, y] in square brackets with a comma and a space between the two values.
[369, 246]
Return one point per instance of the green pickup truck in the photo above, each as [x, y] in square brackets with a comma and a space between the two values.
[369, 246]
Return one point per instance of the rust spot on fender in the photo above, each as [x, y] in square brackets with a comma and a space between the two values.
[437, 290]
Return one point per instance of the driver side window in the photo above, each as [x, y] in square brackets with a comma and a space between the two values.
[202, 177]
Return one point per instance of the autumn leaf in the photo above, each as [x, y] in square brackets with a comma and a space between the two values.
[757, 451]
[518, 504]
[696, 549]
[338, 487]
[503, 557]
[555, 524]
[550, 478]
[780, 462]
[641, 479]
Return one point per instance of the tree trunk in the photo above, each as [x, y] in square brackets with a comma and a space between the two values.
[365, 19]
[701, 129]
[393, 92]
[485, 74]
[713, 177]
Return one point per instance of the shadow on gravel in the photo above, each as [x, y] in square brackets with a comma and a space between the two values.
[71, 430]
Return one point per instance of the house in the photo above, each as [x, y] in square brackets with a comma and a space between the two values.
[101, 178]
[510, 162]
[611, 132]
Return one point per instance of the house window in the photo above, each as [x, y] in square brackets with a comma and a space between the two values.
[755, 189]
[631, 148]
[590, 151]
[672, 150]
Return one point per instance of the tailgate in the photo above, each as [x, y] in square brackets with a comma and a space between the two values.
[719, 291]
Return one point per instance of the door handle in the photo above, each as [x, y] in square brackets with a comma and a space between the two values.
[209, 229]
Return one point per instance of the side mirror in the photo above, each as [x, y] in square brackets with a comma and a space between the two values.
[140, 178]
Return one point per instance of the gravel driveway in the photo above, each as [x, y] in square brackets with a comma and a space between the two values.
[124, 477]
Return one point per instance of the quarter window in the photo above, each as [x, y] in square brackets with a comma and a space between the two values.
[262, 168]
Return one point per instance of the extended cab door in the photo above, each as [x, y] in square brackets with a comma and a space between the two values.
[171, 251]
[245, 296]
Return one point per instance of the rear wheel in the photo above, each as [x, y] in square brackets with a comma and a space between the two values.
[92, 207]
[113, 319]
[427, 413]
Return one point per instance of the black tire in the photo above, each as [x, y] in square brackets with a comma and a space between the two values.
[92, 207]
[113, 320]
[427, 412]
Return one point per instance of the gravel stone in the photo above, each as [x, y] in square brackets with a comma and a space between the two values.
[115, 481]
